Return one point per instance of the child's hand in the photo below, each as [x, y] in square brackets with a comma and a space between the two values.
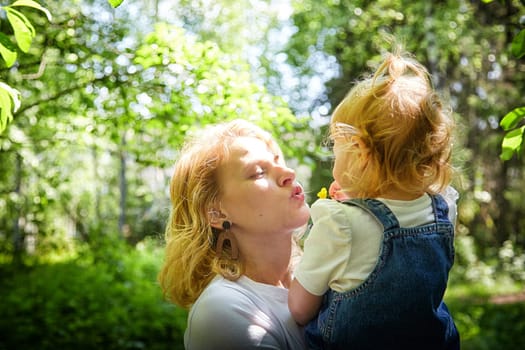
[336, 192]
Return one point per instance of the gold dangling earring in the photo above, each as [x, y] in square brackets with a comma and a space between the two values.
[226, 235]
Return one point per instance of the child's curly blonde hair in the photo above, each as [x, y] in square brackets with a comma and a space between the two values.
[402, 123]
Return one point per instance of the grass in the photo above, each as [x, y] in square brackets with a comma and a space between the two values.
[489, 316]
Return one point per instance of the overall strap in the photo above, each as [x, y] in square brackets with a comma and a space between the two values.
[378, 209]
[440, 207]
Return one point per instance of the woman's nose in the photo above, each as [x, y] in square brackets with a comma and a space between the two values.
[287, 176]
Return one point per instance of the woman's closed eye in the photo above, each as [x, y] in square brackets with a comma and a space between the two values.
[259, 172]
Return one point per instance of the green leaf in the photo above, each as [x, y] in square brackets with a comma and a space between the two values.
[511, 119]
[33, 4]
[517, 47]
[512, 143]
[7, 50]
[9, 100]
[5, 108]
[14, 94]
[24, 30]
[115, 3]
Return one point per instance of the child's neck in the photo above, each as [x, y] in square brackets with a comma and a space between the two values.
[400, 195]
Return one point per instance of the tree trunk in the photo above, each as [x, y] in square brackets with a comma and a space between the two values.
[96, 181]
[18, 236]
[123, 185]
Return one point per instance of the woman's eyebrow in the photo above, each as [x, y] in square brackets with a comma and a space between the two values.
[250, 166]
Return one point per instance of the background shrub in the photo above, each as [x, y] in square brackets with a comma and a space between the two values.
[89, 303]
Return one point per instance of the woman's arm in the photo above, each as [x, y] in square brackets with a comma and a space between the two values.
[303, 305]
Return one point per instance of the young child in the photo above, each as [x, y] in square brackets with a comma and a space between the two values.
[376, 261]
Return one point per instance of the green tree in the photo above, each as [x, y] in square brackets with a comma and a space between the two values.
[105, 114]
[465, 45]
[513, 140]
[23, 32]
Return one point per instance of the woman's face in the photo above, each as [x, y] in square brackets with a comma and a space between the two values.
[258, 192]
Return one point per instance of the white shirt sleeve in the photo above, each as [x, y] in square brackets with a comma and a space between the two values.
[213, 326]
[451, 196]
[326, 248]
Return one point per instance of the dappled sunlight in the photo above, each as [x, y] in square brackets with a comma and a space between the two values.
[256, 333]
[99, 100]
[259, 327]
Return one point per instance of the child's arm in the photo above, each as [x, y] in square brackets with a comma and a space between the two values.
[303, 305]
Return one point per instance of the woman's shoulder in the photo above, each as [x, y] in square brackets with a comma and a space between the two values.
[222, 302]
[221, 291]
[225, 298]
[223, 312]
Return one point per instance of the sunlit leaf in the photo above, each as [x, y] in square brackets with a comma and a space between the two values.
[7, 50]
[512, 143]
[5, 107]
[33, 4]
[517, 47]
[115, 3]
[14, 94]
[24, 30]
[9, 101]
[511, 119]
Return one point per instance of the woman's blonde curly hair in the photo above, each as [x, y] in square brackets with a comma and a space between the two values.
[191, 261]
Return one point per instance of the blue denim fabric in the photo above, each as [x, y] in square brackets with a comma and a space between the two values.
[400, 305]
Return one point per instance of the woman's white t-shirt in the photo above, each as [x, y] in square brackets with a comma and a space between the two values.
[242, 314]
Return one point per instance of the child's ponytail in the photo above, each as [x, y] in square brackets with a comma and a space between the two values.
[402, 121]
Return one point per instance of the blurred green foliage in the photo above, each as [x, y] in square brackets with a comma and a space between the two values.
[105, 298]
[485, 325]
[487, 298]
[107, 96]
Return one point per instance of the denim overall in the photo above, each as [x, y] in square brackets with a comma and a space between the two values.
[400, 305]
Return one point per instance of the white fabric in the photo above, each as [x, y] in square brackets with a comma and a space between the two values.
[242, 315]
[343, 245]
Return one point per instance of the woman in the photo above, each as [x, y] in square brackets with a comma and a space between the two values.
[230, 240]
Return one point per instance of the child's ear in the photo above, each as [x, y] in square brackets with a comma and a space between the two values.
[359, 143]
[362, 150]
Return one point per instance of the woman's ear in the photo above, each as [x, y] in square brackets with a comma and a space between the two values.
[215, 218]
